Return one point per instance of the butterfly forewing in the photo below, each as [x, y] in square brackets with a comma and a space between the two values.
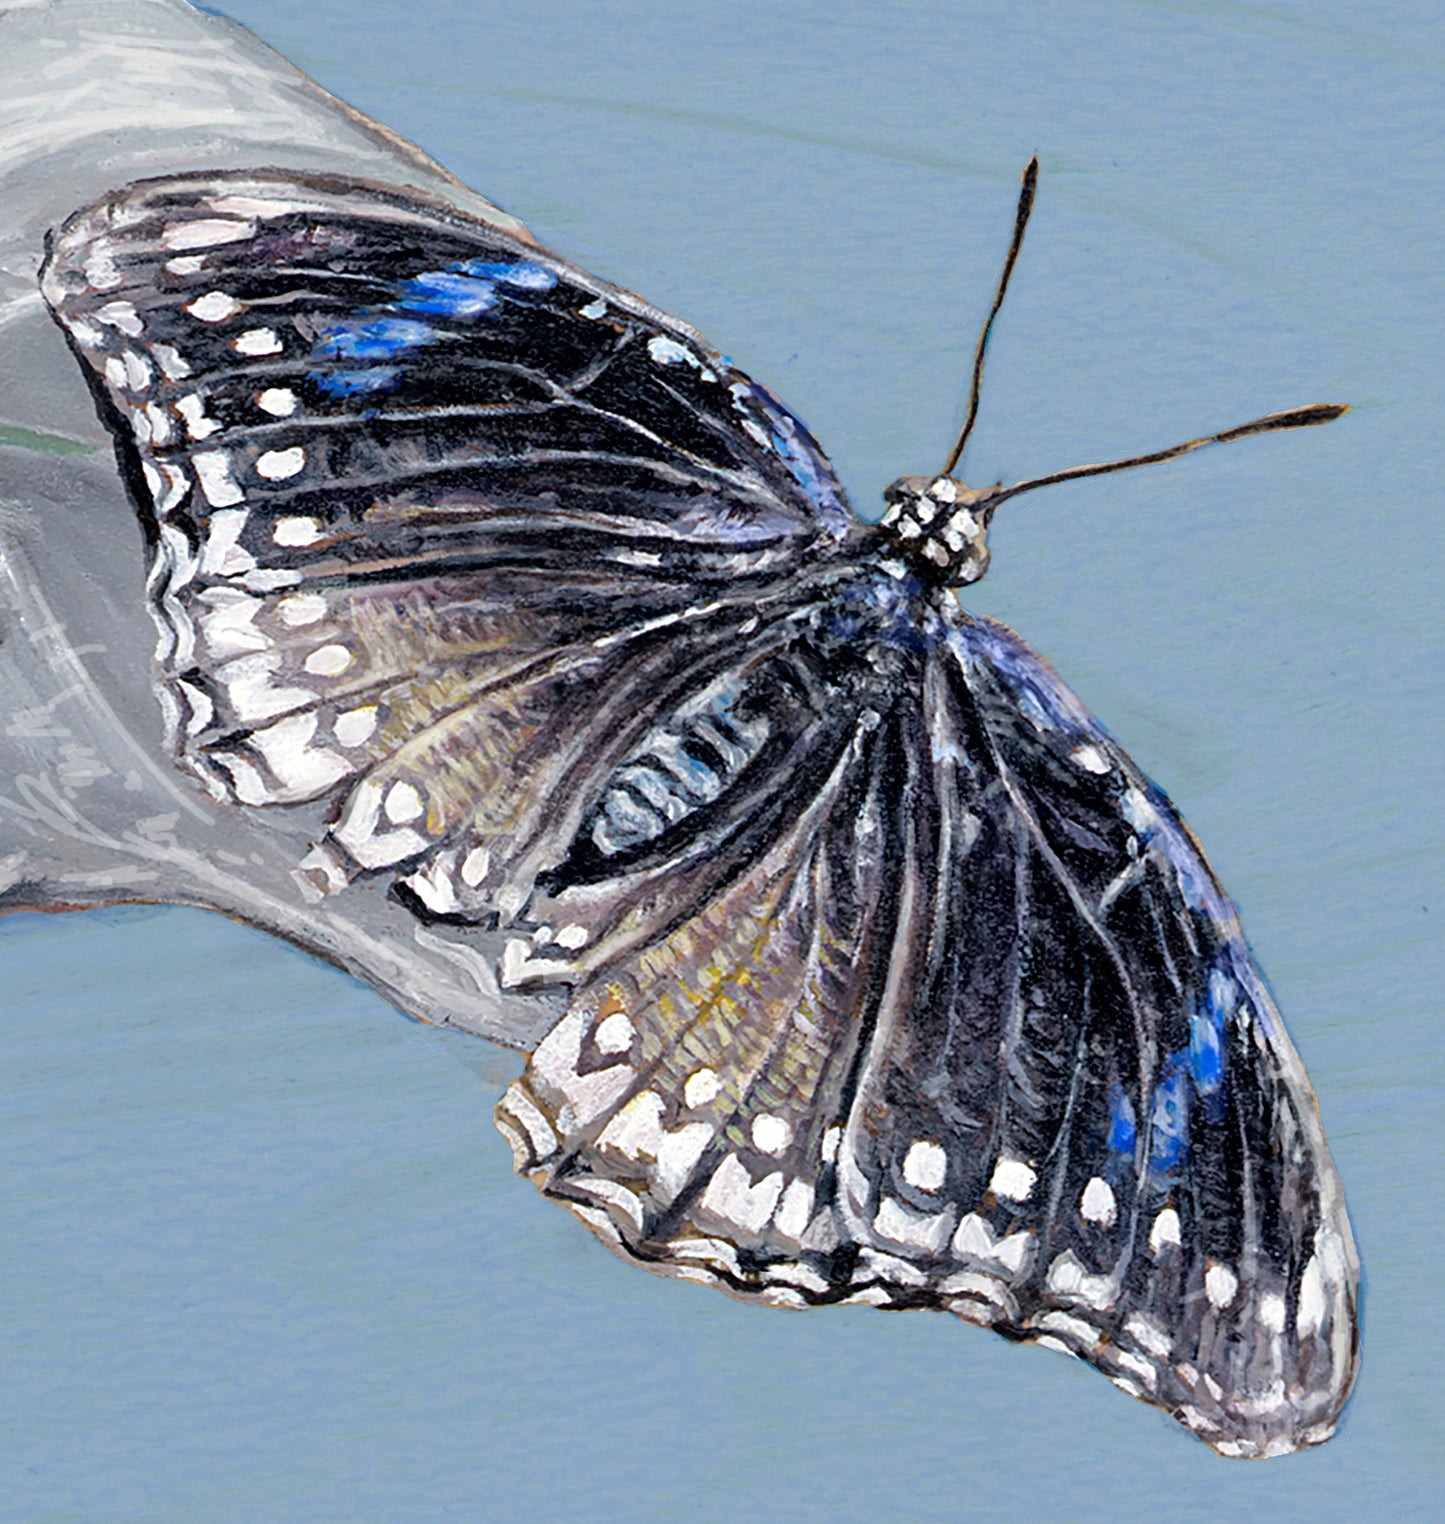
[415, 490]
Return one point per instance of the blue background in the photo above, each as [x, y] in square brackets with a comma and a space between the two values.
[263, 1254]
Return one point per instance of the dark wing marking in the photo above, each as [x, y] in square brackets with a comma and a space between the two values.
[415, 491]
[980, 1033]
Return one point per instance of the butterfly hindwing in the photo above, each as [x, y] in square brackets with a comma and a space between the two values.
[1061, 1103]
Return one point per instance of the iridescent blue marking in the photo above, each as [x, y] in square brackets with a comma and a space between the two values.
[1195, 882]
[1169, 1118]
[448, 295]
[373, 339]
[1207, 1026]
[1123, 1134]
[1235, 958]
[356, 383]
[794, 446]
[472, 288]
[519, 276]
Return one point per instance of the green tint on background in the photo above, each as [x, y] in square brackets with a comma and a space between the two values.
[263, 1255]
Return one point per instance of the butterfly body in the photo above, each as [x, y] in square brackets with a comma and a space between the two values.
[891, 978]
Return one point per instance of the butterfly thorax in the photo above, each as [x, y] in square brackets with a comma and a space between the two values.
[939, 527]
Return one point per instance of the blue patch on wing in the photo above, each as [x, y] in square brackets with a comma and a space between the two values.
[356, 383]
[1123, 1132]
[1169, 1119]
[447, 295]
[1196, 883]
[521, 275]
[472, 288]
[372, 339]
[795, 447]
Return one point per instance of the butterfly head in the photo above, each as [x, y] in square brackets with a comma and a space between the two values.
[939, 527]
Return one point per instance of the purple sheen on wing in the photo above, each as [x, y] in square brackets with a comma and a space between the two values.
[1040, 691]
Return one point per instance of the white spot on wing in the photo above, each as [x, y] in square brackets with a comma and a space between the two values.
[260, 206]
[1310, 1312]
[279, 401]
[121, 315]
[1097, 1203]
[250, 686]
[137, 371]
[257, 341]
[328, 661]
[355, 726]
[227, 623]
[1074, 1328]
[1165, 1230]
[1012, 1178]
[702, 1087]
[193, 412]
[403, 804]
[1068, 1278]
[85, 334]
[100, 270]
[357, 830]
[301, 609]
[298, 530]
[247, 783]
[170, 362]
[925, 1231]
[302, 770]
[637, 1128]
[614, 1034]
[1090, 758]
[1220, 1284]
[795, 1210]
[925, 1165]
[213, 307]
[678, 1153]
[1148, 1335]
[975, 1240]
[222, 555]
[160, 424]
[278, 465]
[733, 1198]
[668, 351]
[771, 1134]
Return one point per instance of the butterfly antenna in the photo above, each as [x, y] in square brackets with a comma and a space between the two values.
[1298, 418]
[1021, 221]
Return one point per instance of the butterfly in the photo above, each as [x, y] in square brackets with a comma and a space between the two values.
[889, 977]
